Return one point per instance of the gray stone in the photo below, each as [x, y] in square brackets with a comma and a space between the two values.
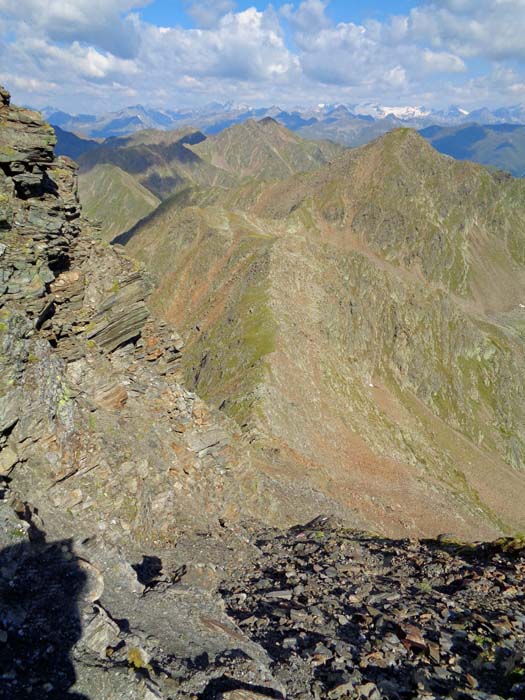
[5, 97]
[120, 326]
[8, 459]
[100, 632]
[202, 441]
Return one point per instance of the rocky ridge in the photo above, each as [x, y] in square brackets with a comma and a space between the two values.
[82, 357]
[127, 565]
[365, 326]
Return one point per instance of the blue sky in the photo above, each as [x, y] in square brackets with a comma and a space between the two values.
[166, 13]
[101, 55]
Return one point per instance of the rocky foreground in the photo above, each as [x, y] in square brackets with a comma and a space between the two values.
[247, 614]
[346, 614]
[128, 567]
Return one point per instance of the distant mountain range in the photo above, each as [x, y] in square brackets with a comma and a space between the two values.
[499, 145]
[323, 119]
[490, 137]
[493, 138]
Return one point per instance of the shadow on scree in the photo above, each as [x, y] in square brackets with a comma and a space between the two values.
[40, 584]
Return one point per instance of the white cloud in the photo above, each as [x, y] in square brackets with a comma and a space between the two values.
[493, 29]
[99, 54]
[79, 61]
[441, 62]
[309, 17]
[30, 85]
[98, 22]
[244, 46]
[507, 80]
[352, 54]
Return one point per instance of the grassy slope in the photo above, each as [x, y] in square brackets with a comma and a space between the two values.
[265, 150]
[213, 285]
[114, 198]
[158, 160]
[165, 163]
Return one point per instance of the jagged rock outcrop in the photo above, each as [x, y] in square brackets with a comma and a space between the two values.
[79, 347]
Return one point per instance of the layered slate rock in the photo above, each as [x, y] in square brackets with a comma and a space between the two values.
[122, 316]
[101, 447]
[25, 138]
[91, 405]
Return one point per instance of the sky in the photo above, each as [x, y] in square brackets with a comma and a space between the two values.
[96, 56]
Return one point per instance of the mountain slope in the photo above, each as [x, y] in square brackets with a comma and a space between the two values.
[362, 322]
[114, 199]
[125, 570]
[160, 161]
[264, 149]
[116, 480]
[71, 145]
[124, 179]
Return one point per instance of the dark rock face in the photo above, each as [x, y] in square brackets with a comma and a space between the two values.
[125, 566]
